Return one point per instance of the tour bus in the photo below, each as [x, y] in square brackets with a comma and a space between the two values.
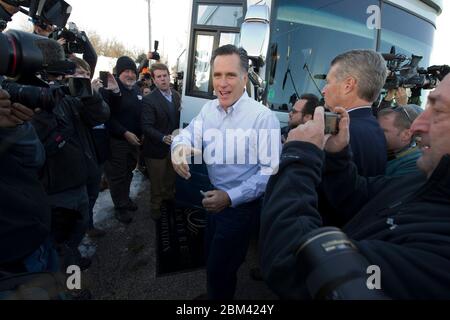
[292, 42]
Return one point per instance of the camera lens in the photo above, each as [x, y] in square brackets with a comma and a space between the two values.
[334, 267]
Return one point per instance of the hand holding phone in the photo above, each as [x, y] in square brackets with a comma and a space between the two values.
[104, 78]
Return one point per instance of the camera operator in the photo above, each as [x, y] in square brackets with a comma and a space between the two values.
[42, 28]
[89, 54]
[398, 224]
[394, 97]
[65, 130]
[25, 217]
[6, 13]
[24, 212]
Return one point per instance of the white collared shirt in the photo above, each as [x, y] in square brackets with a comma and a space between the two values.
[241, 146]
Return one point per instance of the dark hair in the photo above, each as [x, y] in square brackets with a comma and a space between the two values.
[311, 104]
[80, 63]
[230, 49]
[158, 66]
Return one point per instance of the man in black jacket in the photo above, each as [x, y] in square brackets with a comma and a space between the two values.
[399, 224]
[125, 131]
[24, 212]
[160, 118]
[64, 127]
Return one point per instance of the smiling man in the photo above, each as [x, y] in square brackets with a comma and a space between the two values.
[233, 205]
[400, 224]
[125, 130]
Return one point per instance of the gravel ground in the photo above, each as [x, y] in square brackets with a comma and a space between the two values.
[124, 261]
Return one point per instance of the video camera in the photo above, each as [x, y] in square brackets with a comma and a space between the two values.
[405, 72]
[53, 12]
[75, 39]
[23, 54]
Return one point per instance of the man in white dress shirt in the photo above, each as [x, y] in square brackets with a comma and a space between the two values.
[240, 139]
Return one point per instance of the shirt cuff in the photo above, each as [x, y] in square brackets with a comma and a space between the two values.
[236, 197]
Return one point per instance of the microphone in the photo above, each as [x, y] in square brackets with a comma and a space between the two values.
[389, 56]
[285, 78]
[320, 76]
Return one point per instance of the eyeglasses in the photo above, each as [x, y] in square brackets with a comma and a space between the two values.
[404, 112]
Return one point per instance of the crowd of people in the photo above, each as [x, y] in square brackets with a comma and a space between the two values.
[383, 180]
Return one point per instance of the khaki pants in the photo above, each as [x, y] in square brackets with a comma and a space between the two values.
[162, 181]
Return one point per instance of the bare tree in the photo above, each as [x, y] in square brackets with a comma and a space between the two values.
[110, 47]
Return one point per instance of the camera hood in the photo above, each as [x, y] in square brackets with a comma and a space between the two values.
[53, 12]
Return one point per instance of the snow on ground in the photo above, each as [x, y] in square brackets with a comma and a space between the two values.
[104, 210]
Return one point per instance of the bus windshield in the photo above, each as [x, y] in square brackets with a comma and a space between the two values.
[307, 35]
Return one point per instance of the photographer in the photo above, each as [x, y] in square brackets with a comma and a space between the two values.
[398, 224]
[65, 130]
[42, 28]
[6, 13]
[394, 97]
[67, 38]
[25, 216]
[24, 212]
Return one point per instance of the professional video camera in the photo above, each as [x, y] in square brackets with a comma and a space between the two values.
[405, 72]
[53, 12]
[23, 54]
[75, 39]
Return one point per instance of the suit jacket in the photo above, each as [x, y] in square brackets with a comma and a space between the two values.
[368, 143]
[157, 122]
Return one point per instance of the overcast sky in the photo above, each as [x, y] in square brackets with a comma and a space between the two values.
[127, 22]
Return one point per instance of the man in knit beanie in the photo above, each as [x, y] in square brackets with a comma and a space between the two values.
[125, 101]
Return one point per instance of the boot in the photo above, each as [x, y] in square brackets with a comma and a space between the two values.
[123, 216]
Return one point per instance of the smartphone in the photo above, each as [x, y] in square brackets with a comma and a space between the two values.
[203, 193]
[332, 123]
[80, 87]
[104, 78]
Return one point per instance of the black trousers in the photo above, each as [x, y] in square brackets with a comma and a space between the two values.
[119, 171]
[227, 240]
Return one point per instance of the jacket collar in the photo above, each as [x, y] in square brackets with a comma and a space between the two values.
[441, 174]
[361, 113]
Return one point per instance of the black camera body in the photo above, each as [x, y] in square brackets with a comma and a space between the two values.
[405, 72]
[53, 12]
[75, 39]
[155, 54]
[24, 54]
[332, 123]
[334, 268]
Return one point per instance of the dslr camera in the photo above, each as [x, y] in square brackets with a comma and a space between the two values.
[334, 268]
[75, 39]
